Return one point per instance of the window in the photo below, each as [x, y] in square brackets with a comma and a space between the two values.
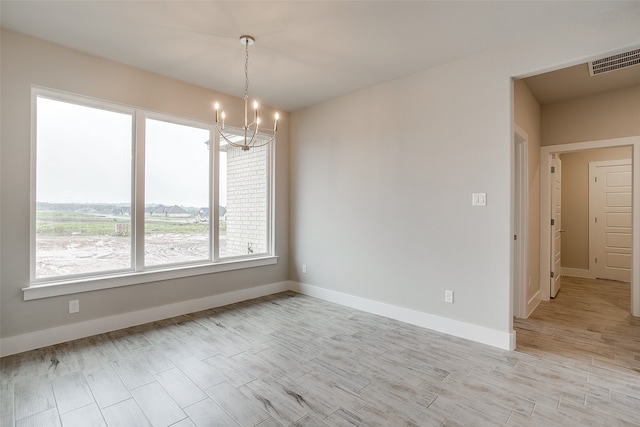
[121, 191]
[244, 225]
[176, 221]
[83, 189]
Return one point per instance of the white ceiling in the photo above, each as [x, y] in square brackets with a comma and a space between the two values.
[306, 52]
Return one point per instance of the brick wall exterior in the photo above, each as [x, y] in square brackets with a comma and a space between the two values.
[246, 201]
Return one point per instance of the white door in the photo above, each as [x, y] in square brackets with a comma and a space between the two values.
[610, 204]
[556, 225]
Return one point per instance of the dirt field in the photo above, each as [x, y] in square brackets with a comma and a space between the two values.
[69, 255]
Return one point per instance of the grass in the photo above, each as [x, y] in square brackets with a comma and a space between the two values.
[84, 224]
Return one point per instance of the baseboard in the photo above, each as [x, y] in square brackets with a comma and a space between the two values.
[43, 338]
[577, 272]
[532, 303]
[492, 337]
[37, 339]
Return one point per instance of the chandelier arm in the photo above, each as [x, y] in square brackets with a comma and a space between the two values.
[247, 144]
[264, 143]
[221, 133]
[250, 143]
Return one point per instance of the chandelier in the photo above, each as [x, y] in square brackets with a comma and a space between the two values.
[250, 130]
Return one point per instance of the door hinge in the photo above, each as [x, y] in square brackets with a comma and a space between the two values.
[515, 237]
[596, 260]
[553, 222]
[595, 178]
[553, 169]
[596, 219]
[552, 274]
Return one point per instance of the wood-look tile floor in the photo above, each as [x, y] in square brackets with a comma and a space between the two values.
[292, 360]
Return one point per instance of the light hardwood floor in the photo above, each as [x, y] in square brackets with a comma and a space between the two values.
[290, 359]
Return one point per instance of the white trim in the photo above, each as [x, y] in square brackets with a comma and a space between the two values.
[545, 209]
[532, 303]
[59, 334]
[113, 281]
[457, 328]
[635, 268]
[520, 221]
[581, 273]
[43, 338]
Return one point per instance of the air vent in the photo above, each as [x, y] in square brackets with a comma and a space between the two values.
[615, 62]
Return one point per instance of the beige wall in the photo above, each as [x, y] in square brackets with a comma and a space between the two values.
[575, 202]
[526, 112]
[27, 61]
[381, 180]
[613, 114]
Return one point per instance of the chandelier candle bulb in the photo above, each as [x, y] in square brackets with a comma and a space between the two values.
[275, 124]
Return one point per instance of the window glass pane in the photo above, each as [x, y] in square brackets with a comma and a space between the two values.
[243, 199]
[83, 189]
[176, 193]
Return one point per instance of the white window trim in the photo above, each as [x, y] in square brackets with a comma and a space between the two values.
[86, 284]
[46, 288]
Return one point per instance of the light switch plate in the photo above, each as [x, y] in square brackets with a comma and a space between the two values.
[479, 199]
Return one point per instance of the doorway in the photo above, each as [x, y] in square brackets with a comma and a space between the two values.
[547, 153]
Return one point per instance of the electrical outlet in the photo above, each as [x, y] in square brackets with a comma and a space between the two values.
[74, 306]
[304, 268]
[448, 297]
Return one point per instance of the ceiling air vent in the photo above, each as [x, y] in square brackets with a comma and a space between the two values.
[615, 62]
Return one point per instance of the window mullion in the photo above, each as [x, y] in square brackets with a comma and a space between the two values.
[138, 191]
[214, 211]
[271, 225]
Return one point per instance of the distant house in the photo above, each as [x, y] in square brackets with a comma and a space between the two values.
[121, 211]
[174, 211]
[203, 214]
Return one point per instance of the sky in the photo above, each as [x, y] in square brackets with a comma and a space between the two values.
[84, 156]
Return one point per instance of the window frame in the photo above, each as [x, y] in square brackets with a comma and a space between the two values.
[138, 273]
[270, 197]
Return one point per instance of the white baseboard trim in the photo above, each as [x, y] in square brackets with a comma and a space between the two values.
[577, 272]
[533, 302]
[38, 339]
[492, 337]
[59, 334]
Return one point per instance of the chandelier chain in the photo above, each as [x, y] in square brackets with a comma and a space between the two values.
[246, 70]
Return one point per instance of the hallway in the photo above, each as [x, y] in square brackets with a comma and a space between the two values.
[588, 322]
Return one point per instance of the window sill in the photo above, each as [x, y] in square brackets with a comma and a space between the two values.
[47, 290]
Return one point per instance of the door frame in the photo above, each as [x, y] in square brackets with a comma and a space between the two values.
[545, 210]
[520, 221]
